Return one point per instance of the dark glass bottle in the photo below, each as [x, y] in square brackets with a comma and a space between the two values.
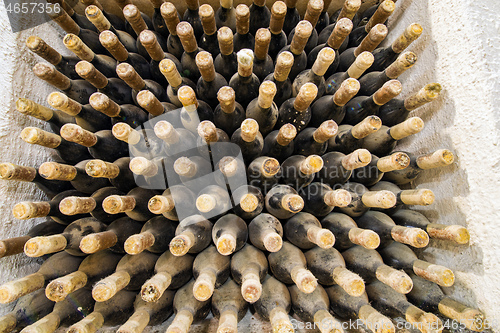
[373, 172]
[129, 75]
[283, 201]
[137, 22]
[265, 233]
[226, 63]
[337, 167]
[249, 139]
[260, 16]
[312, 14]
[298, 171]
[210, 81]
[55, 119]
[296, 110]
[213, 201]
[228, 306]
[229, 114]
[229, 234]
[304, 231]
[127, 113]
[347, 234]
[349, 138]
[249, 268]
[118, 172]
[171, 18]
[275, 304]
[175, 203]
[279, 144]
[155, 237]
[245, 83]
[175, 81]
[208, 41]
[243, 39]
[134, 204]
[248, 201]
[292, 16]
[280, 78]
[210, 270]
[192, 235]
[263, 172]
[192, 16]
[363, 200]
[315, 140]
[320, 199]
[225, 15]
[278, 37]
[116, 21]
[262, 109]
[263, 63]
[302, 33]
[158, 22]
[188, 59]
[358, 67]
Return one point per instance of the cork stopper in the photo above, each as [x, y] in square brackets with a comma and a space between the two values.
[52, 76]
[226, 244]
[57, 171]
[341, 30]
[363, 61]
[104, 104]
[349, 9]
[325, 58]
[58, 289]
[168, 69]
[187, 96]
[34, 135]
[63, 20]
[182, 322]
[63, 103]
[230, 166]
[428, 321]
[284, 63]
[205, 64]
[278, 13]
[425, 95]
[150, 43]
[78, 47]
[13, 290]
[9, 171]
[381, 199]
[206, 203]
[382, 13]
[267, 91]
[303, 31]
[204, 285]
[470, 317]
[376, 35]
[304, 279]
[116, 204]
[42, 49]
[415, 237]
[406, 128]
[242, 13]
[249, 130]
[225, 38]
[421, 197]
[165, 131]
[109, 40]
[207, 130]
[89, 324]
[439, 158]
[142, 166]
[367, 126]
[337, 198]
[228, 4]
[227, 99]
[88, 72]
[125, 133]
[154, 288]
[436, 273]
[403, 62]
[77, 205]
[184, 167]
[372, 318]
[291, 3]
[39, 246]
[95, 15]
[347, 90]
[262, 40]
[286, 134]
[76, 134]
[366, 238]
[249, 203]
[397, 280]
[395, 161]
[279, 319]
[324, 316]
[30, 108]
[207, 17]
[454, 233]
[97, 242]
[170, 16]
[305, 97]
[245, 62]
[157, 3]
[186, 35]
[29, 210]
[192, 4]
[292, 203]
[160, 204]
[352, 283]
[251, 288]
[325, 131]
[181, 244]
[272, 241]
[128, 74]
[311, 164]
[357, 159]
[313, 11]
[148, 101]
[270, 167]
[324, 238]
[109, 286]
[388, 91]
[411, 33]
[133, 16]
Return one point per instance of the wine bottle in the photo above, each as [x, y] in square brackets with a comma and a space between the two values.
[171, 18]
[131, 272]
[128, 113]
[367, 14]
[312, 14]
[193, 111]
[243, 39]
[148, 313]
[77, 205]
[54, 118]
[210, 270]
[68, 151]
[74, 174]
[101, 145]
[345, 305]
[263, 173]
[80, 20]
[361, 107]
[192, 235]
[393, 303]
[151, 173]
[304, 231]
[15, 245]
[400, 256]
[111, 312]
[279, 77]
[158, 22]
[249, 139]
[384, 10]
[421, 197]
[303, 31]
[296, 110]
[347, 233]
[103, 63]
[260, 16]
[230, 173]
[372, 173]
[363, 199]
[229, 234]
[324, 18]
[128, 74]
[92, 269]
[79, 90]
[226, 63]
[320, 199]
[283, 201]
[208, 41]
[249, 268]
[211, 143]
[113, 19]
[397, 110]
[349, 138]
[195, 172]
[228, 306]
[265, 233]
[275, 304]
[175, 203]
[155, 236]
[85, 116]
[192, 16]
[171, 272]
[187, 309]
[430, 297]
[175, 81]
[332, 107]
[279, 144]
[363, 61]
[137, 22]
[315, 140]
[213, 201]
[64, 64]
[187, 36]
[245, 83]
[369, 265]
[349, 10]
[289, 266]
[298, 171]
[113, 238]
[278, 37]
[337, 167]
[118, 172]
[55, 266]
[411, 218]
[315, 74]
[248, 201]
[210, 82]
[263, 63]
[369, 43]
[134, 204]
[436, 159]
[229, 114]
[148, 101]
[225, 15]
[292, 16]
[28, 310]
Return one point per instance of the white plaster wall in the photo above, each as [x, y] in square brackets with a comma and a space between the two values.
[458, 49]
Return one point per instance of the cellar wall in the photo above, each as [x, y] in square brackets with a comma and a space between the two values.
[459, 49]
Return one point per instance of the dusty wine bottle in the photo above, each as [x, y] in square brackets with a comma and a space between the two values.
[208, 41]
[283, 201]
[243, 39]
[263, 173]
[115, 20]
[137, 22]
[337, 167]
[363, 61]
[363, 199]
[229, 234]
[248, 201]
[55, 119]
[279, 144]
[195, 172]
[384, 10]
[155, 236]
[315, 140]
[298, 171]
[228, 306]
[212, 144]
[320, 199]
[296, 110]
[304, 231]
[245, 83]
[192, 235]
[225, 15]
[303, 31]
[134, 204]
[312, 14]
[158, 22]
[421, 197]
[118, 172]
[278, 37]
[230, 173]
[349, 138]
[128, 74]
[372, 173]
[175, 203]
[171, 137]
[349, 10]
[226, 62]
[263, 63]
[263, 109]
[210, 81]
[80, 20]
[188, 60]
[210, 270]
[265, 233]
[127, 113]
[229, 114]
[192, 16]
[292, 16]
[249, 139]
[194, 111]
[280, 78]
[171, 18]
[213, 201]
[347, 233]
[249, 268]
[148, 101]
